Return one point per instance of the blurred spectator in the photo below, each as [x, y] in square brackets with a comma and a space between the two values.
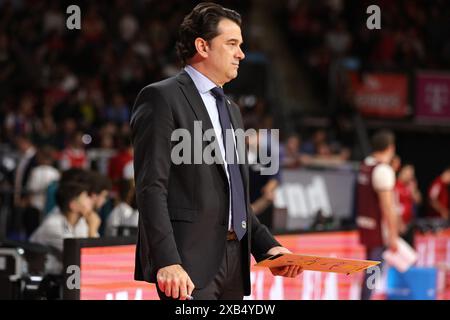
[290, 152]
[74, 219]
[41, 177]
[338, 39]
[396, 163]
[100, 187]
[76, 175]
[320, 150]
[128, 27]
[118, 164]
[68, 129]
[262, 185]
[74, 155]
[27, 162]
[125, 212]
[438, 196]
[46, 132]
[19, 121]
[311, 146]
[118, 112]
[407, 197]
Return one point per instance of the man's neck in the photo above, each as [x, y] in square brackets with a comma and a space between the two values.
[200, 67]
[381, 157]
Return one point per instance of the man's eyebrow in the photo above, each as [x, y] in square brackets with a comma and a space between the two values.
[235, 40]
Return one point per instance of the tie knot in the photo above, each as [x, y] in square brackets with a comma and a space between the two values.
[218, 93]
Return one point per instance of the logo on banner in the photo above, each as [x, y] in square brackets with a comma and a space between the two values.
[437, 96]
[304, 201]
[433, 95]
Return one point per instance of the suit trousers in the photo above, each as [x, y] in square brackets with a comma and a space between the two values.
[228, 282]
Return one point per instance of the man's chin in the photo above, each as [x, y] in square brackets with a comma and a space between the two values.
[232, 75]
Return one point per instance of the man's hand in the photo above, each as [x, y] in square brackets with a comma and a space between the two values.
[285, 271]
[93, 221]
[392, 245]
[175, 282]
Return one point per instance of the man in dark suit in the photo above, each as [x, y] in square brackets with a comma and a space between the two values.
[196, 227]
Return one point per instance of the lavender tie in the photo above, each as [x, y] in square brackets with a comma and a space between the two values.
[238, 206]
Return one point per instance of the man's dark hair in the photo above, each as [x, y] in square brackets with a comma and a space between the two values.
[95, 181]
[99, 183]
[67, 192]
[76, 175]
[202, 22]
[382, 139]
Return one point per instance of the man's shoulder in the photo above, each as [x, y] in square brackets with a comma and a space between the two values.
[383, 169]
[54, 218]
[162, 85]
[49, 228]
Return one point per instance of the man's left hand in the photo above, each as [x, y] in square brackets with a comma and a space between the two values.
[284, 271]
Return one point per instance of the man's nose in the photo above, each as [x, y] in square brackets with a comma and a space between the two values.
[241, 54]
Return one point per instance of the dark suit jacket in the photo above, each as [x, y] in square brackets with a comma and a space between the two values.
[184, 208]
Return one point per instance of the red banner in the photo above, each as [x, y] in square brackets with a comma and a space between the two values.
[107, 272]
[433, 96]
[382, 95]
[434, 251]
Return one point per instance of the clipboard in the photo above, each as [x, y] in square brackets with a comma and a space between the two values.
[317, 263]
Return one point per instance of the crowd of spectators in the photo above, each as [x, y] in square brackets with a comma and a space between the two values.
[414, 34]
[66, 95]
[69, 88]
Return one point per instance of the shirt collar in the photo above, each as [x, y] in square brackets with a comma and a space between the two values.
[202, 83]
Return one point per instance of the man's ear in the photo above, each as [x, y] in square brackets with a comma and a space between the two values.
[202, 47]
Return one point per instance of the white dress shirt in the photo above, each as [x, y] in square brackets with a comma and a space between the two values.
[204, 86]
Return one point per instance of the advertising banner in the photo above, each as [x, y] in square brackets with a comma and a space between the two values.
[382, 95]
[433, 96]
[305, 193]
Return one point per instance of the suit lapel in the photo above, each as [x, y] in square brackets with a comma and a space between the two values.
[198, 107]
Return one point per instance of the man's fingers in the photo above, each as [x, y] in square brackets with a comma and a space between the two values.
[290, 271]
[295, 271]
[280, 271]
[175, 288]
[285, 271]
[183, 290]
[190, 286]
[174, 282]
[161, 284]
[168, 290]
[299, 270]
